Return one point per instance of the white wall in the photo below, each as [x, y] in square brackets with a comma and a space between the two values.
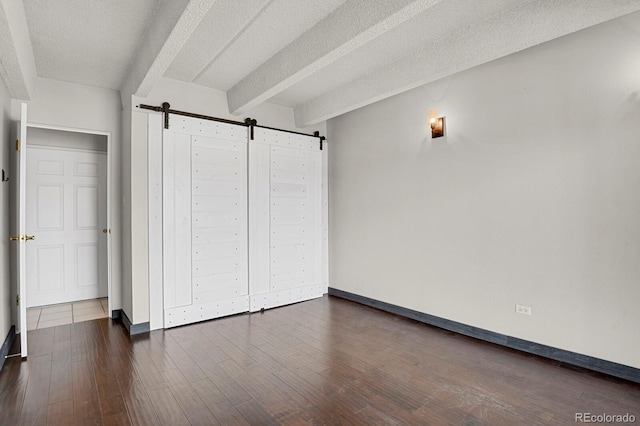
[185, 97]
[5, 163]
[135, 287]
[61, 139]
[532, 198]
[127, 303]
[77, 106]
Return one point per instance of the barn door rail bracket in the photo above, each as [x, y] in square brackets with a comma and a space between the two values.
[322, 138]
[165, 108]
[251, 123]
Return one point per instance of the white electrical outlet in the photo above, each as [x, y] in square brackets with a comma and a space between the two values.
[522, 309]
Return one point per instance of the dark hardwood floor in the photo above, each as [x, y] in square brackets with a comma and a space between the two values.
[326, 361]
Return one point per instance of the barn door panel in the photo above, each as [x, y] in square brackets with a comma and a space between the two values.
[204, 221]
[285, 181]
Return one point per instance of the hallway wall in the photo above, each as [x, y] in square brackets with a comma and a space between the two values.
[5, 206]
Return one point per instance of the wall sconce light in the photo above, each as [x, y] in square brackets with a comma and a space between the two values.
[437, 127]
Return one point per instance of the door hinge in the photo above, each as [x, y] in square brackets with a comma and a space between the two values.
[17, 144]
[18, 300]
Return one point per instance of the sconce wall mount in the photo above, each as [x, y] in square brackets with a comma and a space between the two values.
[437, 127]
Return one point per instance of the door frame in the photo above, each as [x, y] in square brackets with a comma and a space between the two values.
[156, 239]
[109, 188]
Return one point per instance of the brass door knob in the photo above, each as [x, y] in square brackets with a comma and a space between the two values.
[30, 237]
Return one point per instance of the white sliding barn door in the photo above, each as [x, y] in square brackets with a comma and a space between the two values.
[285, 219]
[204, 221]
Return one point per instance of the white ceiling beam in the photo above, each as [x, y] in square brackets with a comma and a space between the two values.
[350, 26]
[169, 30]
[507, 32]
[17, 63]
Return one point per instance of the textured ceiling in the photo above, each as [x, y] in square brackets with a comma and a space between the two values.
[259, 33]
[322, 58]
[88, 42]
[428, 27]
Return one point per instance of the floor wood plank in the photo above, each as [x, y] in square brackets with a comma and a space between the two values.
[194, 409]
[167, 408]
[224, 412]
[86, 405]
[325, 361]
[255, 414]
[114, 411]
[36, 397]
[13, 384]
[139, 405]
[61, 413]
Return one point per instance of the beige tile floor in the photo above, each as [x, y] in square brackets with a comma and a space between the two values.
[66, 313]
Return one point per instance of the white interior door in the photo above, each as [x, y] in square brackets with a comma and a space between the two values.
[20, 236]
[285, 219]
[66, 212]
[204, 199]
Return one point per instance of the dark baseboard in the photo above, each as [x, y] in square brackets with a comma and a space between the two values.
[573, 358]
[4, 349]
[132, 329]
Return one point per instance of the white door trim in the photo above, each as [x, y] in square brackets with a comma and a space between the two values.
[109, 189]
[156, 238]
